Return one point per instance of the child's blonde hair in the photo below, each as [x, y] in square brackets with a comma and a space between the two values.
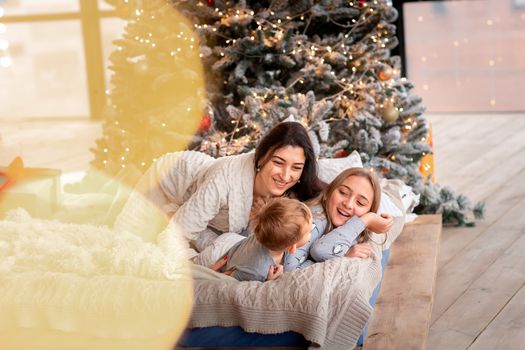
[338, 181]
[280, 222]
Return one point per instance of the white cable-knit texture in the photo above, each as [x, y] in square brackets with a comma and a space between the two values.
[28, 244]
[198, 190]
[328, 303]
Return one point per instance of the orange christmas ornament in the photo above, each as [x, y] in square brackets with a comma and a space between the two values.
[205, 123]
[386, 73]
[426, 164]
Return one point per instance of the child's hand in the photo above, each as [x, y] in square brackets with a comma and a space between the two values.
[361, 250]
[216, 266]
[275, 272]
[378, 223]
[219, 264]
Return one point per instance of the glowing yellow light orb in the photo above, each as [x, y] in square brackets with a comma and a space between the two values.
[88, 286]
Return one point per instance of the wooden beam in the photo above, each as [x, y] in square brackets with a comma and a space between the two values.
[250, 348]
[93, 56]
[401, 318]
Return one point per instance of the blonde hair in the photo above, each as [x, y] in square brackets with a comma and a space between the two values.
[338, 181]
[280, 222]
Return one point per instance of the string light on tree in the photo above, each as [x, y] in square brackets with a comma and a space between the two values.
[156, 86]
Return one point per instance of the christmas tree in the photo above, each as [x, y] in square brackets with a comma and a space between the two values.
[327, 64]
[157, 87]
[324, 63]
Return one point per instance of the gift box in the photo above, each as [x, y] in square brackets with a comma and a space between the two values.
[37, 190]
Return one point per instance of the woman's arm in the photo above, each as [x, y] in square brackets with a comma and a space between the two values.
[360, 250]
[161, 191]
[337, 242]
[203, 205]
[378, 223]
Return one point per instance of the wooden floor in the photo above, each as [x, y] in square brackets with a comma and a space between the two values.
[480, 298]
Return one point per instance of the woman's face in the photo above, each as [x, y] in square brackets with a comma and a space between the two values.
[353, 197]
[280, 172]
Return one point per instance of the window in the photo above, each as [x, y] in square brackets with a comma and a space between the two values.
[53, 55]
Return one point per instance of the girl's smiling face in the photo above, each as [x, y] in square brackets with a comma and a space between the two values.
[354, 196]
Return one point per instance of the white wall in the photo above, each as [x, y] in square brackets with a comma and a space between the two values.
[467, 56]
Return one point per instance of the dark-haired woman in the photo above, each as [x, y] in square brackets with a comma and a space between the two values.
[206, 196]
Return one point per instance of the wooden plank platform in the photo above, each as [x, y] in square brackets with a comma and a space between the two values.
[401, 318]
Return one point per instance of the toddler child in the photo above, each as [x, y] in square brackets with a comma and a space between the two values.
[279, 226]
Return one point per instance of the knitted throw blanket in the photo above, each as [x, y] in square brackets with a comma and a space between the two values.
[328, 303]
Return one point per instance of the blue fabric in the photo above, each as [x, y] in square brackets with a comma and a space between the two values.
[211, 337]
[384, 261]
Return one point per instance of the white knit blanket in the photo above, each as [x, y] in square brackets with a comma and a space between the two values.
[328, 303]
[28, 244]
[73, 286]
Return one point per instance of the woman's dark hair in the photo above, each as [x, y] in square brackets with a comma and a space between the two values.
[295, 135]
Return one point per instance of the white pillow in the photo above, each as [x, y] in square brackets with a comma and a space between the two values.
[387, 206]
[329, 168]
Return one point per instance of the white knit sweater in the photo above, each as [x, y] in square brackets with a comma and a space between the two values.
[198, 190]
